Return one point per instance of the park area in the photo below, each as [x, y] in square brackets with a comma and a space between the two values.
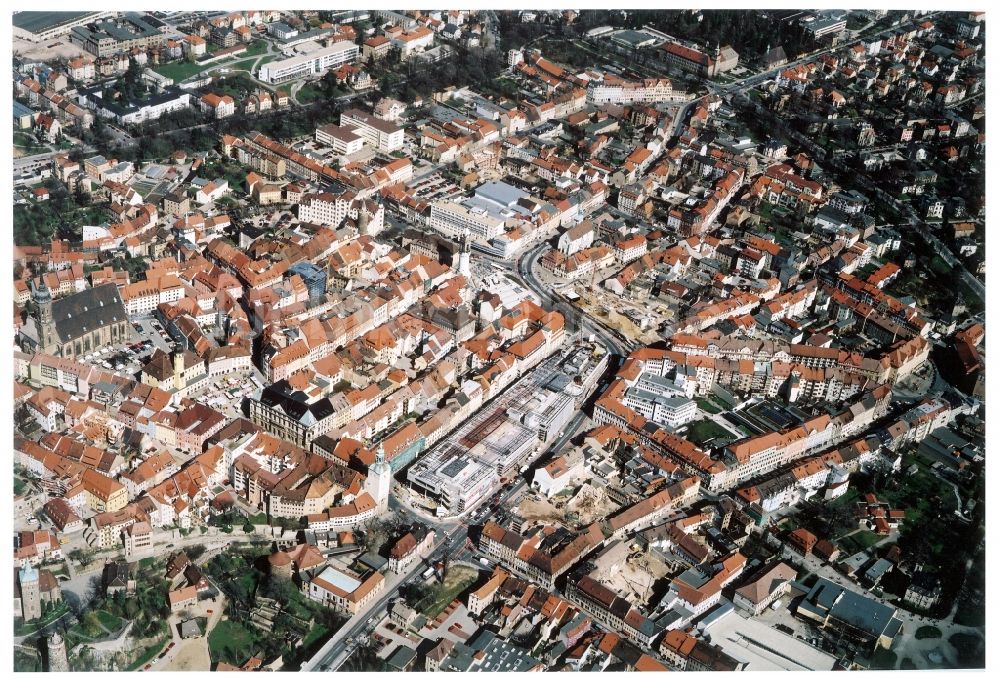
[431, 599]
[706, 430]
[231, 642]
[179, 71]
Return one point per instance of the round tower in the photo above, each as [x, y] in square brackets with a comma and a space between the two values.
[464, 259]
[56, 650]
[281, 564]
[46, 324]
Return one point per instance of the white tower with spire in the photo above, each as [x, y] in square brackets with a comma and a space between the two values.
[464, 267]
[379, 481]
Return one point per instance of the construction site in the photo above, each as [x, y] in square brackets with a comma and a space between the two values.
[576, 506]
[625, 568]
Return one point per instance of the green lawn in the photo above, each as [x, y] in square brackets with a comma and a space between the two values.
[968, 615]
[148, 655]
[859, 541]
[884, 659]
[708, 406]
[939, 265]
[242, 64]
[27, 661]
[255, 48]
[848, 498]
[705, 430]
[928, 632]
[180, 70]
[970, 649]
[232, 637]
[440, 595]
[25, 140]
[308, 94]
[110, 621]
[317, 632]
[20, 628]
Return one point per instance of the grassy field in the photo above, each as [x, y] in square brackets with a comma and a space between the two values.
[968, 615]
[58, 611]
[315, 633]
[110, 621]
[255, 48]
[25, 140]
[438, 596]
[859, 541]
[232, 636]
[884, 659]
[704, 430]
[709, 406]
[308, 93]
[180, 70]
[148, 655]
[928, 632]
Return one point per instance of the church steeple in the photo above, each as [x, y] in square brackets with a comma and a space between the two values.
[46, 323]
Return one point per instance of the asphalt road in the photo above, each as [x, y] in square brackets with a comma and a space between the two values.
[609, 339]
[451, 535]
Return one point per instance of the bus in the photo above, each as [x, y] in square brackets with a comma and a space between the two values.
[428, 573]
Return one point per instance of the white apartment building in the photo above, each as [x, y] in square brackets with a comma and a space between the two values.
[629, 249]
[326, 209]
[662, 401]
[452, 219]
[312, 63]
[151, 109]
[417, 40]
[144, 296]
[343, 140]
[652, 91]
[382, 134]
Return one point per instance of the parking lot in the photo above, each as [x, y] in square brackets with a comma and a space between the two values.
[126, 359]
[150, 329]
[226, 394]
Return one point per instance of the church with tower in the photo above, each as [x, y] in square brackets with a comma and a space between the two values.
[75, 325]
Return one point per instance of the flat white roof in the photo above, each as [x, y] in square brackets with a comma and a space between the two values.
[341, 580]
[764, 648]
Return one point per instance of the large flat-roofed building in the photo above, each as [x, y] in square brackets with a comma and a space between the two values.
[43, 26]
[310, 63]
[827, 22]
[150, 108]
[760, 647]
[382, 134]
[112, 35]
[864, 619]
[453, 219]
[343, 140]
[458, 482]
